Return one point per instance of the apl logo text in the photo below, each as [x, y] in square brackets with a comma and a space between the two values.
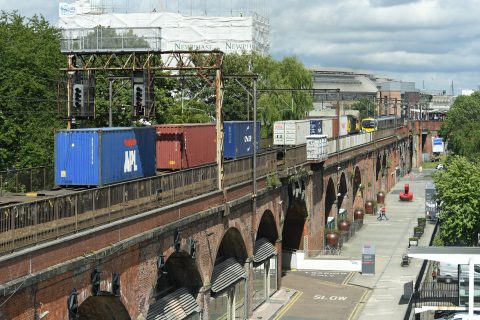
[130, 163]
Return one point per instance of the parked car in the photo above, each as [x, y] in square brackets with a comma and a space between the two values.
[460, 316]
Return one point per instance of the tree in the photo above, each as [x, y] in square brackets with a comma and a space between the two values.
[272, 104]
[30, 80]
[366, 108]
[461, 127]
[457, 188]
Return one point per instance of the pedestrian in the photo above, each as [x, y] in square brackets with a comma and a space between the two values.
[434, 276]
[382, 213]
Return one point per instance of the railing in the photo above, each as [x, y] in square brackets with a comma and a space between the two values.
[295, 156]
[26, 180]
[33, 222]
[106, 39]
[382, 134]
[241, 170]
[436, 294]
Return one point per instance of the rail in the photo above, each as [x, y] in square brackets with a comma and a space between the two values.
[26, 180]
[33, 222]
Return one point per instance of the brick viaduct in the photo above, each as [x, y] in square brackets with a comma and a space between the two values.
[158, 268]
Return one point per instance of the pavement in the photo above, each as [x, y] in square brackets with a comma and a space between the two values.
[377, 296]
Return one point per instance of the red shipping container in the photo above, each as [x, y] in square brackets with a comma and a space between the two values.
[188, 145]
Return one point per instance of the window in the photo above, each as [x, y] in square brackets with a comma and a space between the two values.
[232, 296]
[259, 285]
[272, 270]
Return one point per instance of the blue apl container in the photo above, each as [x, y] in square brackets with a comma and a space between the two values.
[100, 156]
[316, 126]
[238, 139]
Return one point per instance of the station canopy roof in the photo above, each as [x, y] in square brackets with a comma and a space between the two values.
[453, 255]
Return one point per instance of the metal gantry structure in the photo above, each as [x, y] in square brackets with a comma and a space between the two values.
[201, 64]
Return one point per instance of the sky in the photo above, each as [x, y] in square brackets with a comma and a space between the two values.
[430, 42]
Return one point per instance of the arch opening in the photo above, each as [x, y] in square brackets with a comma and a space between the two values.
[265, 263]
[103, 306]
[295, 218]
[229, 279]
[357, 181]
[342, 190]
[178, 283]
[330, 197]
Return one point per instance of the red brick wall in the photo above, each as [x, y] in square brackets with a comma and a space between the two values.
[137, 264]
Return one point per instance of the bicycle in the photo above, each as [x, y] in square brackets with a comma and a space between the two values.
[333, 250]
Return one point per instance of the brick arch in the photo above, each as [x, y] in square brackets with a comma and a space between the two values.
[294, 225]
[267, 227]
[356, 182]
[233, 245]
[179, 270]
[330, 197]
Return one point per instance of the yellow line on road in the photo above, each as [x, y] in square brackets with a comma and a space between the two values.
[356, 310]
[348, 278]
[285, 308]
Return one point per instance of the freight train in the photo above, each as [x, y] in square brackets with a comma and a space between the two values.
[100, 156]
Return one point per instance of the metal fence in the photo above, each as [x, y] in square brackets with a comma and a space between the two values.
[26, 180]
[295, 156]
[33, 222]
[436, 294]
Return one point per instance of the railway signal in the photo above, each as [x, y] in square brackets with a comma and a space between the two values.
[139, 98]
[78, 97]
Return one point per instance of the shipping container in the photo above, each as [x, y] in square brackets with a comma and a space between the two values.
[238, 139]
[181, 146]
[290, 132]
[100, 156]
[317, 147]
[327, 127]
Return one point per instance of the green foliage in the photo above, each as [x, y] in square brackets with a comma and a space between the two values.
[366, 108]
[271, 105]
[273, 180]
[461, 127]
[457, 188]
[30, 60]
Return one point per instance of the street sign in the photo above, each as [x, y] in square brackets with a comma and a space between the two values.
[368, 260]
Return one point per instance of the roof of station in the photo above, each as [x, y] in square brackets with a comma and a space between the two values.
[344, 79]
[454, 255]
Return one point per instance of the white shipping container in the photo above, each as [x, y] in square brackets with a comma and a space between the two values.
[327, 127]
[279, 133]
[290, 132]
[317, 147]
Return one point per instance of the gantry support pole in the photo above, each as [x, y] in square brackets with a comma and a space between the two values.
[219, 126]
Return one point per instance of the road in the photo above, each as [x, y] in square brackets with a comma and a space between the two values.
[338, 295]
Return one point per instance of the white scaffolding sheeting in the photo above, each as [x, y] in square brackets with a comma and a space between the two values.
[228, 34]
